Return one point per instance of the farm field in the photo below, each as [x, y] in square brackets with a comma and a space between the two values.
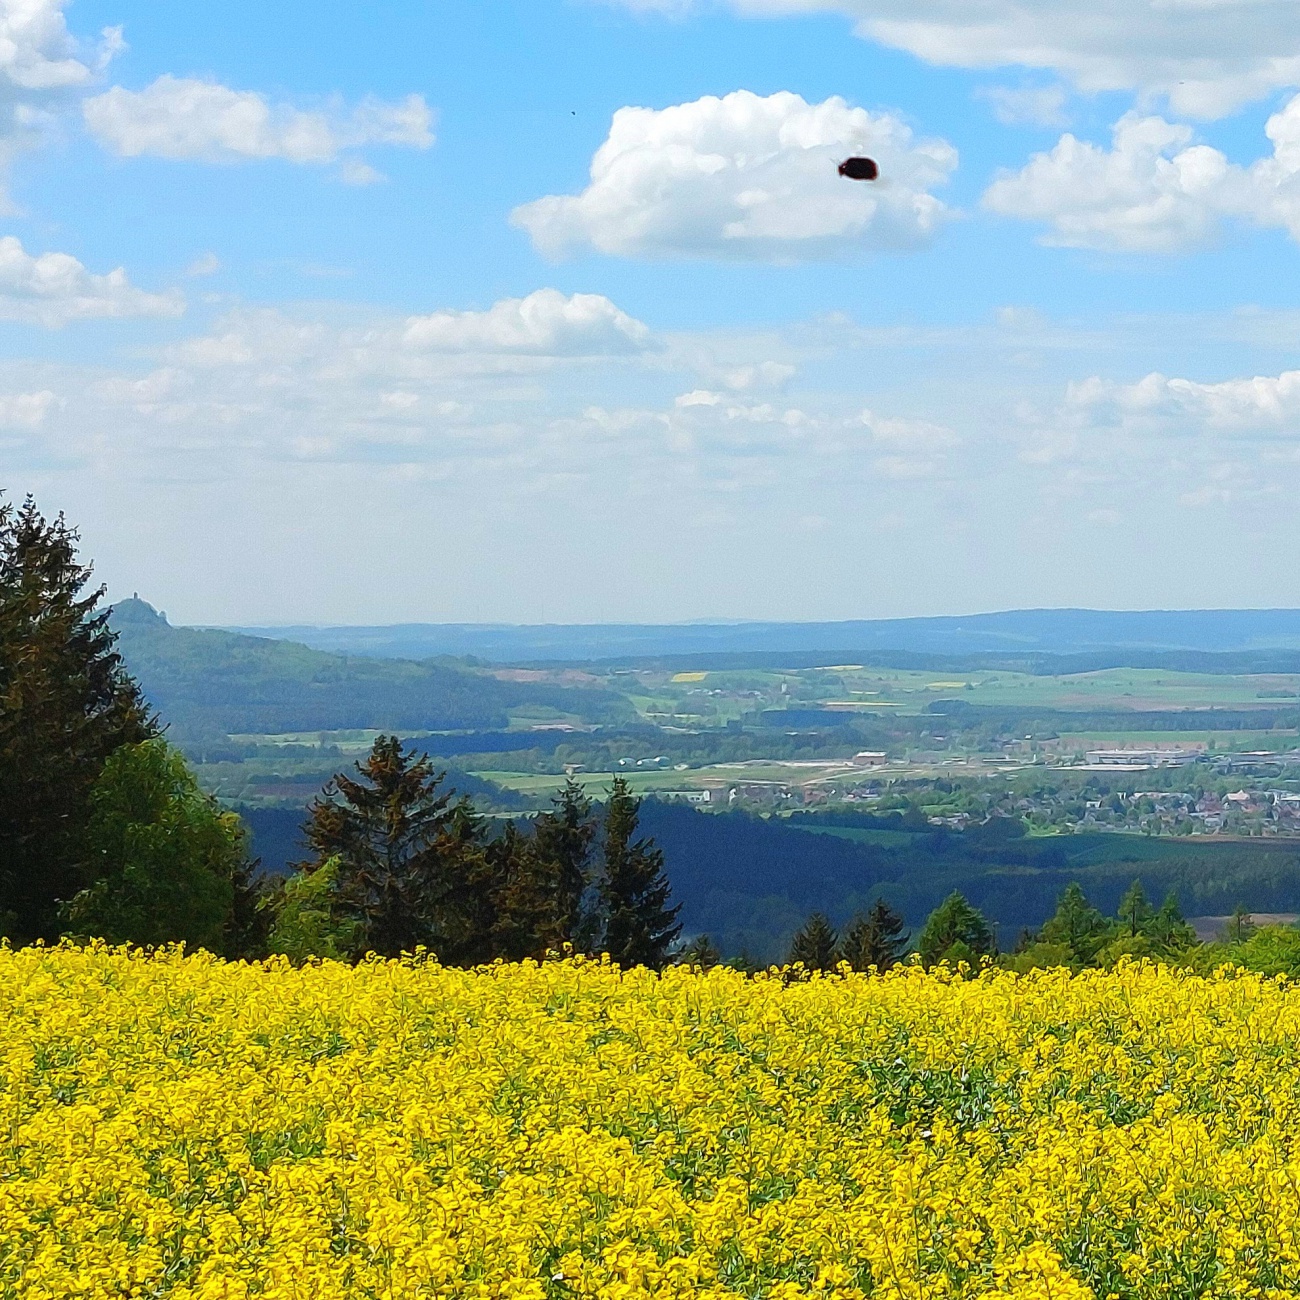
[179, 1127]
[874, 689]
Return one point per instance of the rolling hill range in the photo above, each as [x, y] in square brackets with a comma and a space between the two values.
[1018, 632]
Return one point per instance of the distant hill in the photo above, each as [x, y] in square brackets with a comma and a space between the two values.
[207, 682]
[1019, 632]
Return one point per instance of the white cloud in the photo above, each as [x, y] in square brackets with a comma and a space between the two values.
[43, 68]
[1263, 406]
[356, 171]
[1208, 56]
[908, 434]
[747, 177]
[37, 52]
[188, 118]
[1027, 106]
[546, 322]
[973, 475]
[26, 410]
[54, 288]
[1154, 190]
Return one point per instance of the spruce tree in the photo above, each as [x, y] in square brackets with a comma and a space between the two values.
[562, 844]
[1240, 926]
[1169, 929]
[701, 952]
[66, 704]
[1077, 925]
[248, 926]
[955, 932]
[407, 853]
[876, 939]
[1135, 912]
[524, 922]
[640, 925]
[814, 944]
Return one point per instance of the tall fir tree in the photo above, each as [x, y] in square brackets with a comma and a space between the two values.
[641, 926]
[1169, 928]
[876, 939]
[1240, 926]
[955, 932]
[1076, 925]
[815, 944]
[562, 843]
[524, 921]
[407, 852]
[1135, 913]
[66, 704]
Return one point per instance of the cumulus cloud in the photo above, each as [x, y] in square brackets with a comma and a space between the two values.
[54, 288]
[37, 52]
[1154, 189]
[43, 68]
[747, 177]
[1208, 56]
[1262, 406]
[189, 118]
[546, 322]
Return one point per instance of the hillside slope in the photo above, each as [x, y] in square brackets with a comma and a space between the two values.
[207, 682]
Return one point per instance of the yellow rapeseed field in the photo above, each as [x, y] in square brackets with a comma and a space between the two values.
[175, 1126]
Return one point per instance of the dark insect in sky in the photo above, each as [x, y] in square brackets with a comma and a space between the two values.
[859, 169]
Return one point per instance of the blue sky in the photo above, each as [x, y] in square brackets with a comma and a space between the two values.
[557, 310]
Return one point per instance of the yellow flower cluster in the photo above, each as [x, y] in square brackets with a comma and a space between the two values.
[176, 1126]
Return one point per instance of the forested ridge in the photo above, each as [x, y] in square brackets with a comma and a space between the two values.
[208, 682]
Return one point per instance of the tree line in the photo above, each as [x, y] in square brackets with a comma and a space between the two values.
[399, 863]
[1077, 936]
[105, 833]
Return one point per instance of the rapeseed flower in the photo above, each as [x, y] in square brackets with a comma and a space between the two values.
[175, 1126]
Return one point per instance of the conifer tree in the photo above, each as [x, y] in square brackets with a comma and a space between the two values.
[955, 932]
[701, 952]
[640, 925]
[1135, 912]
[814, 944]
[524, 922]
[562, 842]
[407, 853]
[1077, 925]
[1240, 925]
[1169, 929]
[248, 924]
[876, 939]
[66, 704]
